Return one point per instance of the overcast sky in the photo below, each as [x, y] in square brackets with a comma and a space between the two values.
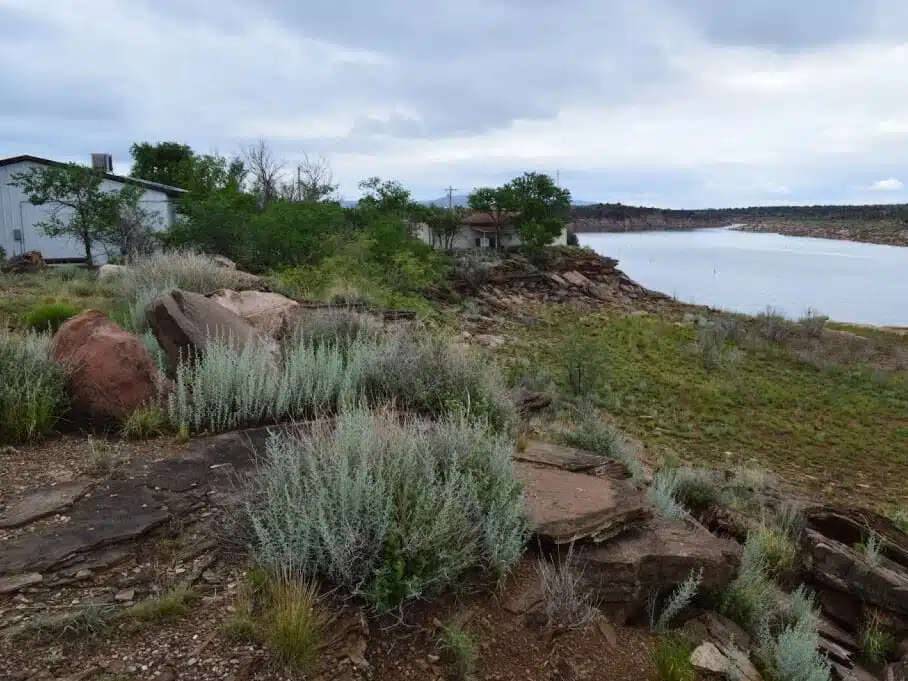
[676, 103]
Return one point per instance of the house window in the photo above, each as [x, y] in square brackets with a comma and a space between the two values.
[478, 242]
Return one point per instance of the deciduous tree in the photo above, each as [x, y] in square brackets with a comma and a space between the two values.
[543, 208]
[499, 203]
[79, 207]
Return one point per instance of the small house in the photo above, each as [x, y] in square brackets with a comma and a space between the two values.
[481, 230]
[19, 230]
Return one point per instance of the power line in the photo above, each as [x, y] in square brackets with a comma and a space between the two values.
[450, 191]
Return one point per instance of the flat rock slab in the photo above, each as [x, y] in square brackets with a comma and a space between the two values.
[658, 555]
[103, 514]
[564, 507]
[841, 567]
[116, 512]
[43, 503]
[558, 456]
[15, 583]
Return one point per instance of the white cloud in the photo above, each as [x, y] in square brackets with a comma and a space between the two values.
[890, 185]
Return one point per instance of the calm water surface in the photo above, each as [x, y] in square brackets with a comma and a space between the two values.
[849, 281]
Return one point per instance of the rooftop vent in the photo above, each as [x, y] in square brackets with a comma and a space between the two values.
[103, 163]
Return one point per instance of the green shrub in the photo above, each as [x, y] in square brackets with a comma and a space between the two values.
[752, 599]
[337, 326]
[421, 504]
[769, 548]
[432, 376]
[461, 649]
[697, 488]
[662, 494]
[679, 600]
[86, 622]
[792, 654]
[774, 327]
[32, 390]
[50, 316]
[672, 658]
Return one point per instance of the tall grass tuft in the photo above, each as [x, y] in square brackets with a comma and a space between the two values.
[671, 658]
[568, 603]
[32, 387]
[388, 508]
[769, 548]
[177, 269]
[293, 623]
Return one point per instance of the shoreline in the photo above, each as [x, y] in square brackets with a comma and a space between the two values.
[886, 234]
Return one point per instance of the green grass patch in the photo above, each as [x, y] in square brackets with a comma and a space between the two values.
[171, 605]
[788, 414]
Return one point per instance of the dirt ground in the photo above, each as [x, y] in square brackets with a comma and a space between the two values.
[511, 646]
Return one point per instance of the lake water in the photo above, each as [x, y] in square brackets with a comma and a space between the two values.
[744, 272]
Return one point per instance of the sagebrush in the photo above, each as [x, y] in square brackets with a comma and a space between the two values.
[386, 507]
[232, 386]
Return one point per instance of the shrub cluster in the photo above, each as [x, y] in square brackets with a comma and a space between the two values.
[231, 386]
[388, 508]
[32, 389]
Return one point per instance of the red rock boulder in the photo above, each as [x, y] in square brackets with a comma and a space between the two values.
[111, 371]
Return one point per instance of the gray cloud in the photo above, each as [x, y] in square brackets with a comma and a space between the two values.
[662, 100]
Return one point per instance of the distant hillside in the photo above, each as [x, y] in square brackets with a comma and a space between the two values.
[881, 223]
[618, 217]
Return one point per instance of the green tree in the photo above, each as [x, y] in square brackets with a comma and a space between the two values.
[543, 208]
[167, 163]
[79, 208]
[386, 196]
[499, 203]
[178, 165]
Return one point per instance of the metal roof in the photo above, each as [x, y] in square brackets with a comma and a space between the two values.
[157, 186]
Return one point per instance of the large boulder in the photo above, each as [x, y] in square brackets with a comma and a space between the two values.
[111, 371]
[657, 556]
[270, 313]
[185, 323]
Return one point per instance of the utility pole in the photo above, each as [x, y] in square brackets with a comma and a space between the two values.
[299, 183]
[451, 191]
[557, 178]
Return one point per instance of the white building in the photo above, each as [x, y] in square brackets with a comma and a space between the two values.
[19, 232]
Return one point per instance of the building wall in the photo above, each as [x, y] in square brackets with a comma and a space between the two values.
[466, 237]
[17, 213]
